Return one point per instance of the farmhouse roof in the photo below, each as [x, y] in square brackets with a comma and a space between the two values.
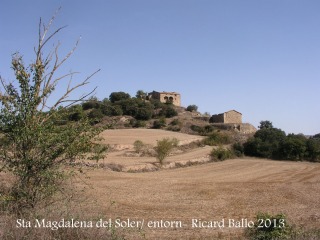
[164, 92]
[234, 111]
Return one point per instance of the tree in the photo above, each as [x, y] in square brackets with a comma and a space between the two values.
[192, 108]
[265, 143]
[91, 103]
[293, 147]
[35, 147]
[317, 136]
[141, 94]
[118, 96]
[265, 124]
[313, 149]
[164, 147]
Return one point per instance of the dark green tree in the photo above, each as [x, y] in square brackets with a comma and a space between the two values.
[118, 96]
[265, 124]
[191, 108]
[313, 149]
[265, 143]
[293, 147]
[141, 94]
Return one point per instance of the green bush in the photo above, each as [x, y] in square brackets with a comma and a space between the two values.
[143, 113]
[157, 124]
[268, 227]
[221, 154]
[217, 138]
[164, 147]
[138, 145]
[76, 113]
[137, 123]
[168, 111]
[204, 131]
[111, 110]
[95, 115]
[238, 149]
[175, 122]
[90, 104]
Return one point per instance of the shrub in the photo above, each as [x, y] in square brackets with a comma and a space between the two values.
[164, 147]
[238, 149]
[137, 123]
[174, 128]
[175, 122]
[157, 124]
[206, 130]
[168, 111]
[196, 128]
[76, 114]
[192, 108]
[90, 104]
[138, 145]
[95, 114]
[143, 113]
[221, 154]
[268, 227]
[110, 110]
[217, 138]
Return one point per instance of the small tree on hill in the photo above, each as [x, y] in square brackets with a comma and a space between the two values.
[164, 148]
[265, 124]
[118, 96]
[192, 108]
[141, 94]
[34, 145]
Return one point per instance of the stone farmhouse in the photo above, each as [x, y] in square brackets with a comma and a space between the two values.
[231, 116]
[164, 97]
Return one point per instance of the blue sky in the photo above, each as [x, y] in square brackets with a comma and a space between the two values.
[259, 57]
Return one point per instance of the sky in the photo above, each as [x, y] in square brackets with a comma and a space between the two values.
[259, 57]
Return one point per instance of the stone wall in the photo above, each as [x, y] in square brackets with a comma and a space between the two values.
[217, 118]
[232, 117]
[245, 128]
[227, 117]
[165, 97]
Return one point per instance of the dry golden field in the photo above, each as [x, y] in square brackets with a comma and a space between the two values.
[166, 202]
[231, 190]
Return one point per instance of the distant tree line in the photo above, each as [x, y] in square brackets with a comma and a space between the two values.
[121, 103]
[271, 142]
